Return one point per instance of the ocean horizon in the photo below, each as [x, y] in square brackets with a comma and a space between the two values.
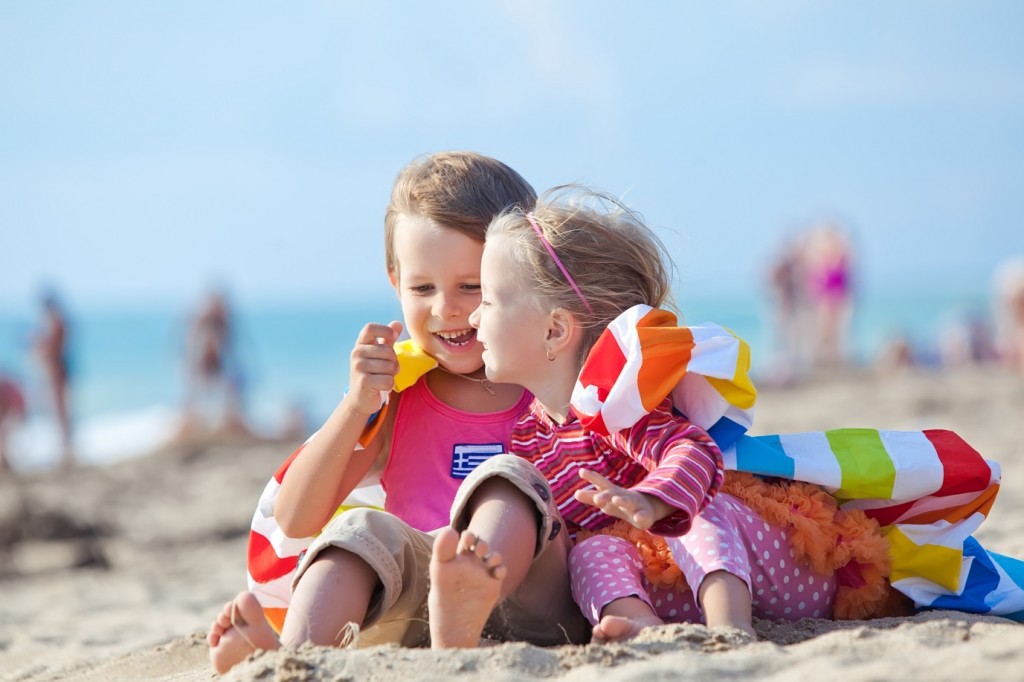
[128, 374]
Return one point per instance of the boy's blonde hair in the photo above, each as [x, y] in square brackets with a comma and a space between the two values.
[462, 191]
[614, 258]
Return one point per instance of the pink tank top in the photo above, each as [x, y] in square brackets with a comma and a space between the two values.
[433, 447]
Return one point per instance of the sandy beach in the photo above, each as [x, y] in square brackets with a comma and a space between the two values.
[114, 573]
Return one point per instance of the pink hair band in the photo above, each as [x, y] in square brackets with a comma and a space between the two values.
[558, 262]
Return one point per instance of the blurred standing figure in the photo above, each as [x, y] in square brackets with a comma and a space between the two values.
[51, 351]
[830, 293]
[12, 411]
[1009, 312]
[214, 379]
[785, 279]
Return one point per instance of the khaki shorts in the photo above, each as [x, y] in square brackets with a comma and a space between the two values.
[541, 611]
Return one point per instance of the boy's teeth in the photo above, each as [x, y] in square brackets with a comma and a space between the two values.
[457, 338]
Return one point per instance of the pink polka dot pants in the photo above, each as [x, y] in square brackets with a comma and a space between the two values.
[726, 536]
[604, 568]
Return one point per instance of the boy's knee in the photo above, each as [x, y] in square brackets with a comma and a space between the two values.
[512, 480]
[497, 488]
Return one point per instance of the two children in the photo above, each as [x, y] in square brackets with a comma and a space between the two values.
[369, 567]
[562, 285]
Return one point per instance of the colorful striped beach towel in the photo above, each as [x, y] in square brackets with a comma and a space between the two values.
[643, 356]
[273, 556]
[928, 490]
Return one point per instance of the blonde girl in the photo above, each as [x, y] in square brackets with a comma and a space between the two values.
[553, 280]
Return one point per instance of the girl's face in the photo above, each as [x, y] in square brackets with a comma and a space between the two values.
[510, 322]
[438, 285]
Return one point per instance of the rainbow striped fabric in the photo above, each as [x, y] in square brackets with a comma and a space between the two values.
[928, 490]
[273, 556]
[643, 356]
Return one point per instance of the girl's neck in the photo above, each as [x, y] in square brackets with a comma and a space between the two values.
[555, 391]
[559, 415]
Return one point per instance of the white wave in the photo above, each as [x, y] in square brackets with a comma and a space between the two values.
[35, 444]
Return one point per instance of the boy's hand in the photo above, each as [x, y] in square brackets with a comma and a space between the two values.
[373, 366]
[638, 509]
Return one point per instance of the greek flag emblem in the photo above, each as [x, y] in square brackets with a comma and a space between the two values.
[467, 457]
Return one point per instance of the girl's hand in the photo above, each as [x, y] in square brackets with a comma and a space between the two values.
[373, 366]
[638, 509]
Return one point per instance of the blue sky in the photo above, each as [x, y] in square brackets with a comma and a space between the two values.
[147, 149]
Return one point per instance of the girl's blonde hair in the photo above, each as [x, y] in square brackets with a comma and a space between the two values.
[606, 248]
[462, 191]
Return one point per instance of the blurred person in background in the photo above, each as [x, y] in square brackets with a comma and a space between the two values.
[965, 338]
[896, 352]
[12, 411]
[50, 348]
[1009, 312]
[829, 285]
[788, 314]
[214, 383]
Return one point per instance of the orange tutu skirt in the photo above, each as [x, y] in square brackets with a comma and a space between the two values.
[830, 541]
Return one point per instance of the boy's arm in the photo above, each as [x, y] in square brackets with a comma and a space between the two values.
[329, 466]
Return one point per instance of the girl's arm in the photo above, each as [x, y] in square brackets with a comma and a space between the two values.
[684, 462]
[329, 466]
[641, 510]
[685, 469]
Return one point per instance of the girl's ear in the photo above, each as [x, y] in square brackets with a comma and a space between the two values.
[393, 278]
[561, 331]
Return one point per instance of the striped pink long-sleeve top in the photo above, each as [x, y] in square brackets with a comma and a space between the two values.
[662, 455]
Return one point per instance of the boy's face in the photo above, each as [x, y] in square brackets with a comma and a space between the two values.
[438, 285]
[510, 323]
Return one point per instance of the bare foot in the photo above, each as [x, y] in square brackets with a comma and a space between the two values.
[238, 631]
[620, 628]
[465, 582]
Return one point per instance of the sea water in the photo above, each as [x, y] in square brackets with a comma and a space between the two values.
[128, 375]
